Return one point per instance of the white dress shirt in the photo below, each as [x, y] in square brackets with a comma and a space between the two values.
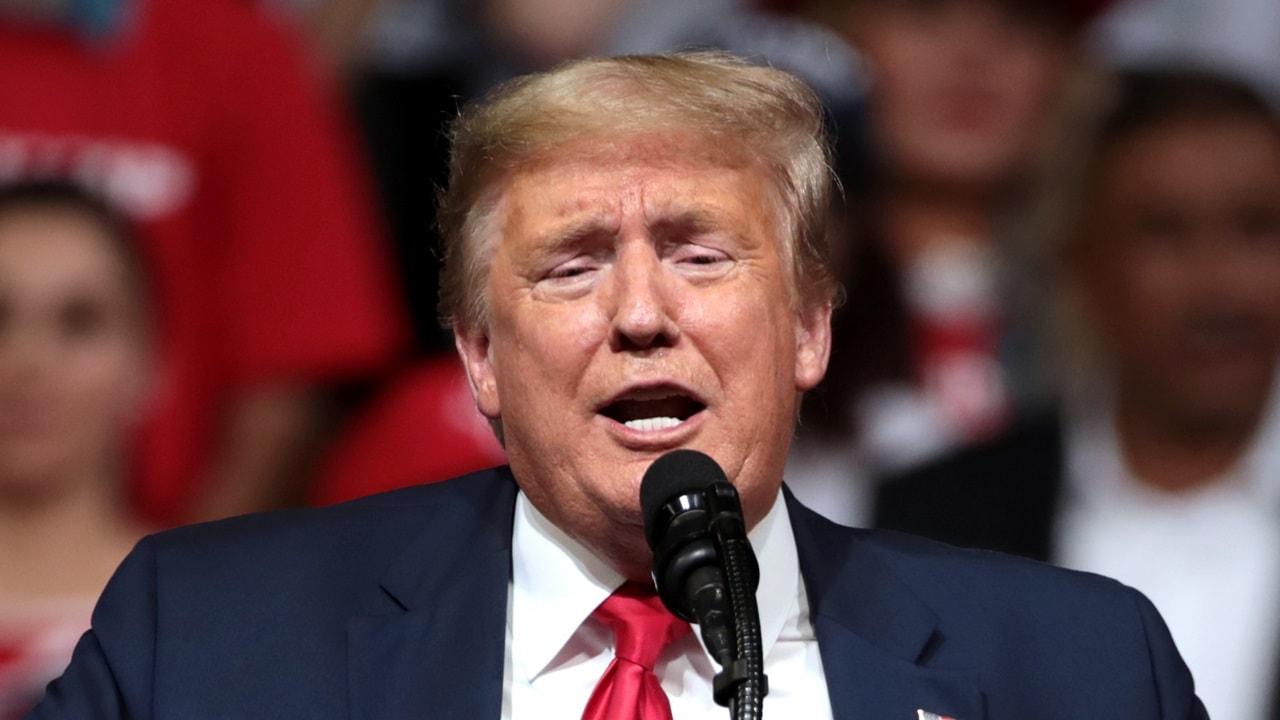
[1208, 558]
[556, 652]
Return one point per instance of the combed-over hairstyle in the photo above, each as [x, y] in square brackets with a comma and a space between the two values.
[747, 113]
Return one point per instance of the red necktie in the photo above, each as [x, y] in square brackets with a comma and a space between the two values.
[642, 627]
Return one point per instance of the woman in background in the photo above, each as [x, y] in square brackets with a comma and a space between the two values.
[937, 345]
[75, 369]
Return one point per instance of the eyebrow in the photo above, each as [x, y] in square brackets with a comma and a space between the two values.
[574, 234]
[691, 220]
[699, 221]
[592, 228]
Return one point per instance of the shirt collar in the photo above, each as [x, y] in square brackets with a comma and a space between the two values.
[557, 583]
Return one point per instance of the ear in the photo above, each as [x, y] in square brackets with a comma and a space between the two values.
[813, 345]
[473, 348]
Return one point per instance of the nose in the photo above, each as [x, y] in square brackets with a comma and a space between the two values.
[642, 315]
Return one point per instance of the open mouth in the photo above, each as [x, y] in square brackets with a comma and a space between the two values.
[652, 410]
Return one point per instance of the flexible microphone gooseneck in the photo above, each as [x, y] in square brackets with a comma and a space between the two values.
[706, 571]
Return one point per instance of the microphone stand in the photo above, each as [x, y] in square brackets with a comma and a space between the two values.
[741, 684]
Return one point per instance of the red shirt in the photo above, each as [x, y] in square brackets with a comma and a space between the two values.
[422, 427]
[201, 119]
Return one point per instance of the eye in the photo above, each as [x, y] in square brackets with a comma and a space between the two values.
[568, 271]
[571, 275]
[82, 318]
[1259, 225]
[698, 256]
[1159, 230]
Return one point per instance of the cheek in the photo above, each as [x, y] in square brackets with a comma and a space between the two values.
[541, 357]
[1141, 308]
[1029, 88]
[105, 384]
[563, 337]
[758, 340]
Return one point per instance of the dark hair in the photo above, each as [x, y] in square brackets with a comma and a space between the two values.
[1142, 100]
[67, 195]
[1151, 97]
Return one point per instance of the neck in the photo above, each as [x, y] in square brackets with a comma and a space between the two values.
[63, 544]
[916, 216]
[1174, 456]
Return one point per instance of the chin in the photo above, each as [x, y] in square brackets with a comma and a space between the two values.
[1219, 410]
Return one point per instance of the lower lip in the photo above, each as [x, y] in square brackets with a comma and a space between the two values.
[664, 439]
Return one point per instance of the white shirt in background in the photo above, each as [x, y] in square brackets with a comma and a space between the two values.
[1209, 559]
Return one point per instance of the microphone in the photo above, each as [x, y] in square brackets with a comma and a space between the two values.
[686, 567]
[705, 570]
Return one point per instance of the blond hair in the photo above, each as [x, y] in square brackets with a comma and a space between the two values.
[748, 112]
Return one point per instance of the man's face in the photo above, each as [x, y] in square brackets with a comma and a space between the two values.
[639, 302]
[1181, 267]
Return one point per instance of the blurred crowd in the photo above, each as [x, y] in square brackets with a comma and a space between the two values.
[1059, 242]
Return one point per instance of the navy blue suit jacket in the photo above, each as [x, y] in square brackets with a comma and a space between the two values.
[394, 607]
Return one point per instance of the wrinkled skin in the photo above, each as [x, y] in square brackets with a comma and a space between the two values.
[641, 281]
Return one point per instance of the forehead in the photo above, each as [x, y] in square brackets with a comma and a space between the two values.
[57, 246]
[663, 179]
[1196, 154]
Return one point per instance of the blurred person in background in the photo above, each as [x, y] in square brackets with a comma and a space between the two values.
[76, 366]
[204, 123]
[937, 344]
[1163, 467]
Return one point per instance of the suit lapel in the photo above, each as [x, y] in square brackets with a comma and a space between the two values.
[874, 633]
[431, 640]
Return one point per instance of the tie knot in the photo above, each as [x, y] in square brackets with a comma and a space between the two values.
[641, 626]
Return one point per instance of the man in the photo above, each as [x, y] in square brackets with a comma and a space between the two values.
[1164, 472]
[635, 263]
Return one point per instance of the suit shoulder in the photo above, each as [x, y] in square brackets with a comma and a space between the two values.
[986, 582]
[923, 562]
[338, 538]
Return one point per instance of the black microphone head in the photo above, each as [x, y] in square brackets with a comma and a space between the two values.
[677, 473]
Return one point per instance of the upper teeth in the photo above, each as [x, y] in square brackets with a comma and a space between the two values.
[649, 424]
